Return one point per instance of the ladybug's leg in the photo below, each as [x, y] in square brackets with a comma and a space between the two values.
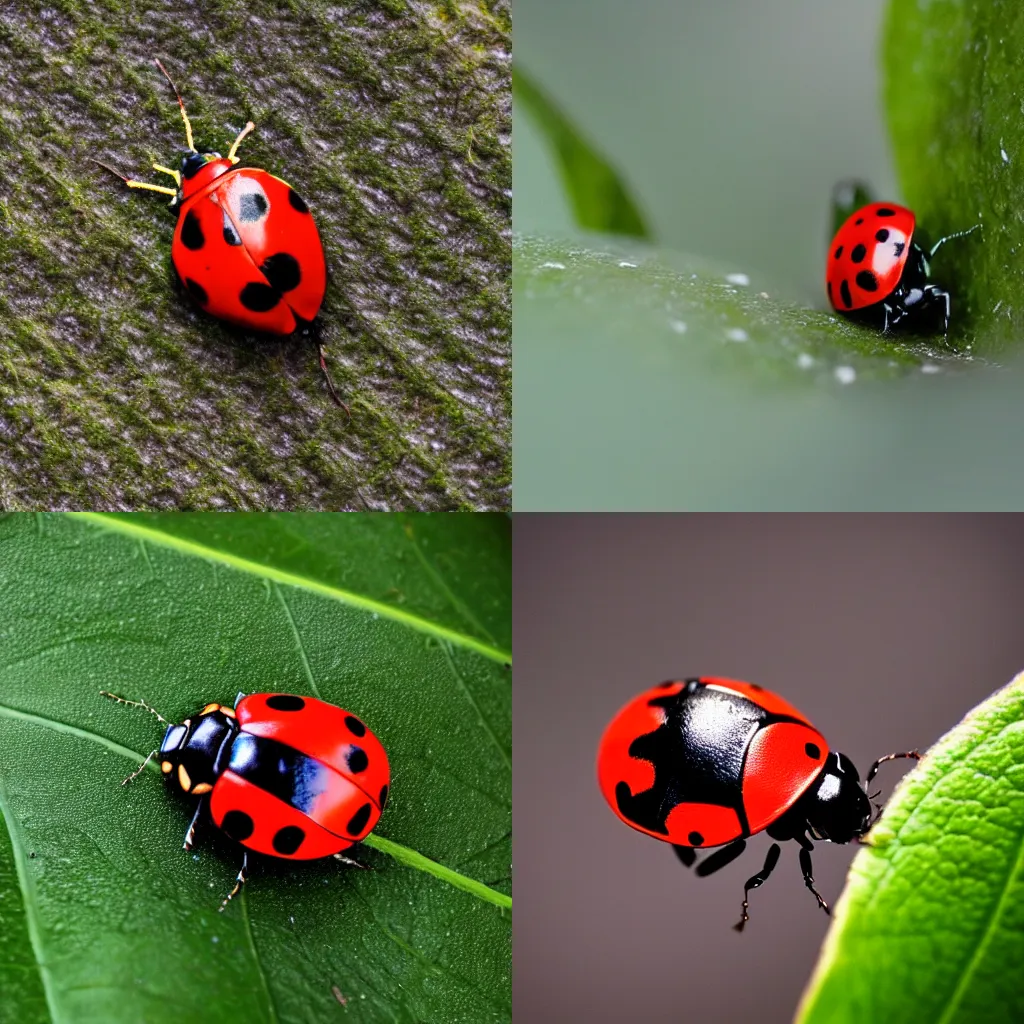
[757, 880]
[687, 854]
[243, 874]
[717, 860]
[191, 833]
[805, 866]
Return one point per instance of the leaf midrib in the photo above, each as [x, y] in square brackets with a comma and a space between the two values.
[403, 854]
[268, 572]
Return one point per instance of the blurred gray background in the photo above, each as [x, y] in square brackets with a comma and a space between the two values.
[683, 97]
[884, 629]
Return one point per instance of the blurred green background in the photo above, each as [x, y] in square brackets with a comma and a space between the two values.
[656, 378]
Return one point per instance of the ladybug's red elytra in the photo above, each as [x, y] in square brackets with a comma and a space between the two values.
[710, 762]
[878, 273]
[246, 247]
[284, 775]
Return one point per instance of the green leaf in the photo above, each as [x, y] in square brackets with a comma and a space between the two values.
[599, 199]
[931, 923]
[953, 86]
[403, 620]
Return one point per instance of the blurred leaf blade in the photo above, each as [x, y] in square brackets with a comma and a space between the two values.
[952, 86]
[96, 872]
[599, 199]
[931, 922]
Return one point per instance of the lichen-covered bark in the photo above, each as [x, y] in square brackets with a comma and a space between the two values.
[392, 118]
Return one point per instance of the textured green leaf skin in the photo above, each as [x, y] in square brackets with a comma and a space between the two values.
[600, 200]
[103, 917]
[954, 85]
[930, 926]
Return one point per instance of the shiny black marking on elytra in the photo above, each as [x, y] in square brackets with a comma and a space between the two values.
[383, 796]
[812, 750]
[258, 297]
[192, 232]
[844, 291]
[238, 825]
[285, 702]
[282, 271]
[899, 247]
[288, 839]
[358, 820]
[884, 211]
[251, 206]
[357, 760]
[858, 254]
[197, 291]
[838, 253]
[297, 201]
[695, 839]
[859, 220]
[881, 234]
[355, 726]
[867, 281]
[280, 770]
[231, 236]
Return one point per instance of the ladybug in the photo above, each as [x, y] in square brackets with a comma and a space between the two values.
[286, 776]
[709, 762]
[246, 247]
[879, 274]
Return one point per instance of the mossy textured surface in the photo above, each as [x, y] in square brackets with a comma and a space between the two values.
[393, 120]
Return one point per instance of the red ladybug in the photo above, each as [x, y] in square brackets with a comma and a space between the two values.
[283, 775]
[708, 762]
[877, 273]
[246, 247]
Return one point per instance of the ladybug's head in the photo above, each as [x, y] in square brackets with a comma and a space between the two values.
[194, 753]
[836, 806]
[192, 163]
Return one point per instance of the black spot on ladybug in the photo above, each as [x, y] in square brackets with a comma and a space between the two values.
[288, 839]
[838, 253]
[859, 220]
[238, 825]
[695, 839]
[355, 726]
[881, 234]
[867, 281]
[812, 750]
[359, 820]
[844, 291]
[383, 796]
[884, 211]
[251, 206]
[192, 232]
[285, 702]
[231, 236]
[258, 297]
[828, 288]
[899, 247]
[357, 759]
[297, 201]
[282, 271]
[858, 254]
[755, 686]
[280, 770]
[197, 291]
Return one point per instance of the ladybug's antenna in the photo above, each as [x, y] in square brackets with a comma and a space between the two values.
[956, 234]
[134, 704]
[234, 145]
[188, 127]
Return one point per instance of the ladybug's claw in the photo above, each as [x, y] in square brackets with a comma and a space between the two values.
[243, 874]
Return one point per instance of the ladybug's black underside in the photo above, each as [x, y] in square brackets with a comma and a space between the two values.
[913, 305]
[697, 753]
